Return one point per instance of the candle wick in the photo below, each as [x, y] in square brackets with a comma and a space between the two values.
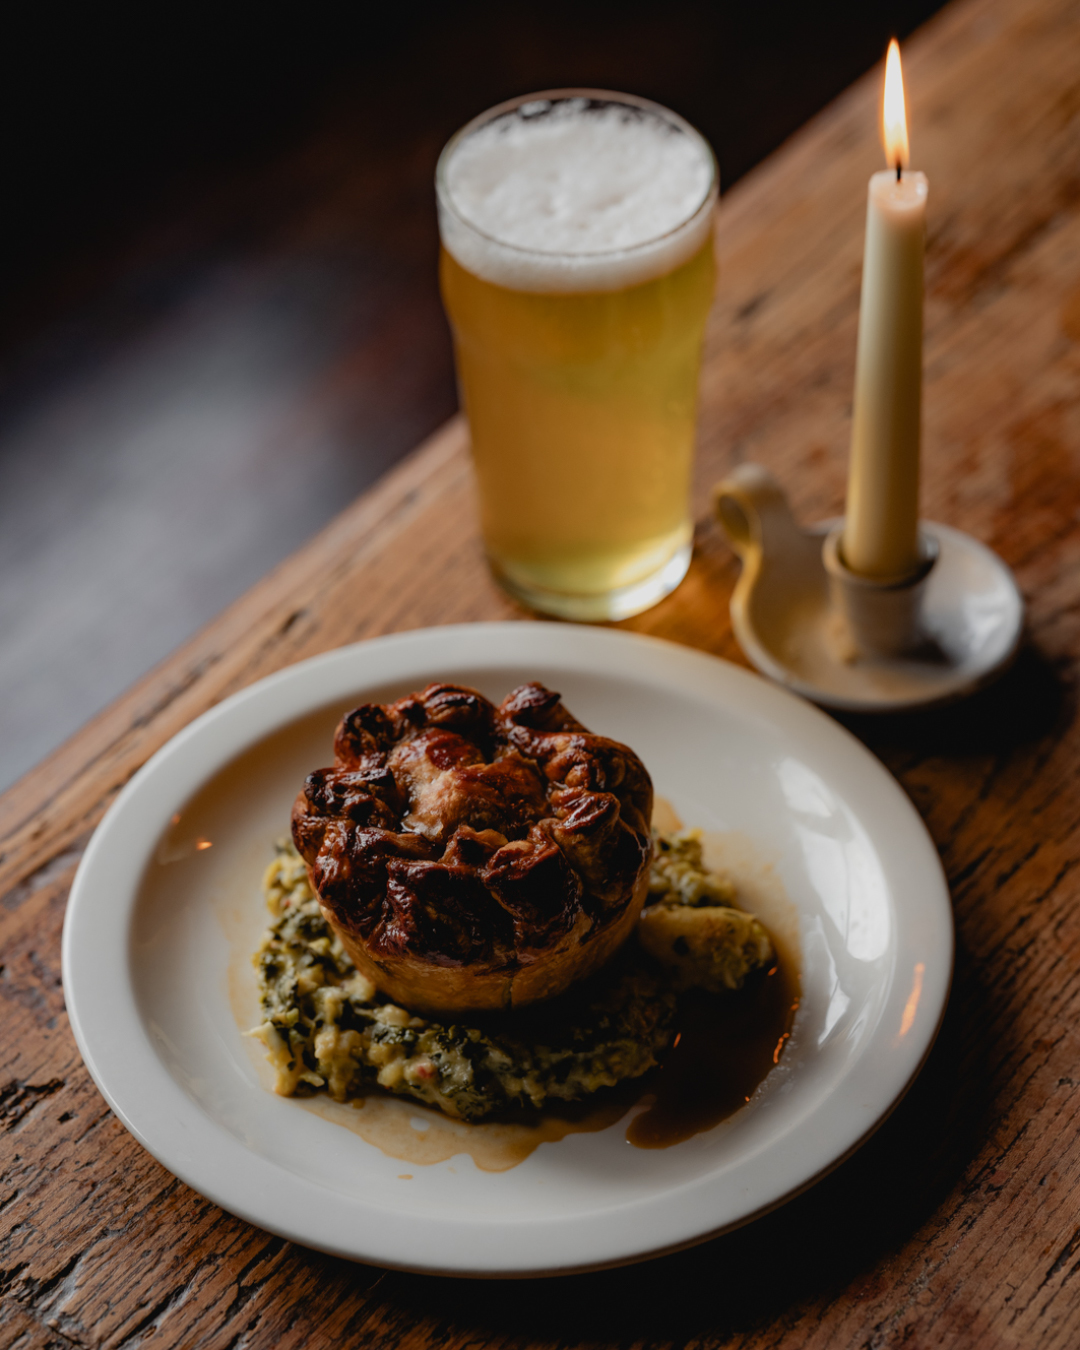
[898, 171]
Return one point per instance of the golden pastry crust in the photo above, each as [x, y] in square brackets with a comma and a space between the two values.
[472, 857]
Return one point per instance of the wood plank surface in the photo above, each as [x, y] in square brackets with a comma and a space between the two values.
[959, 1223]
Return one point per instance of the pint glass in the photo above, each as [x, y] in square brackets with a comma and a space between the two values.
[577, 272]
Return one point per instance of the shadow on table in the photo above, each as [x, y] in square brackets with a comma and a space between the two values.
[1028, 702]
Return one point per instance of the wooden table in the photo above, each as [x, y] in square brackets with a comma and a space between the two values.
[958, 1224]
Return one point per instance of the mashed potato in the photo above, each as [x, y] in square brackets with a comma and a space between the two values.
[692, 925]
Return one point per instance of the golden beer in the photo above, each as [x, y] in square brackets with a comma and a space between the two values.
[580, 386]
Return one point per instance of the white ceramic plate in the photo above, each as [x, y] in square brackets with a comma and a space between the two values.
[166, 905]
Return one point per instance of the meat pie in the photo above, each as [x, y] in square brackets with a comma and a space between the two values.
[471, 857]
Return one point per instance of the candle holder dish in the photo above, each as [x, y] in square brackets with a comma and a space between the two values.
[853, 643]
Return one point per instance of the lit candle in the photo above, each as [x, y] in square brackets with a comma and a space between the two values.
[881, 526]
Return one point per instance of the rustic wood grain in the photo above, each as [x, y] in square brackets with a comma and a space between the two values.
[957, 1225]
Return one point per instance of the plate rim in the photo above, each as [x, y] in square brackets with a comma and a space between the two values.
[313, 683]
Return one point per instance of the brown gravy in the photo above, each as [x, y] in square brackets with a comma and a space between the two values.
[723, 1049]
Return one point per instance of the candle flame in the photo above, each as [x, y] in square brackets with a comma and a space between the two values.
[894, 115]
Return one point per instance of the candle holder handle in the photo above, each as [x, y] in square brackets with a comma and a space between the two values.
[781, 562]
[755, 513]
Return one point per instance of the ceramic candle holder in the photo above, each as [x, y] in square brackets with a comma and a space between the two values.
[879, 618]
[850, 642]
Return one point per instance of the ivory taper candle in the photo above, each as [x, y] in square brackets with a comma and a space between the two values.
[881, 525]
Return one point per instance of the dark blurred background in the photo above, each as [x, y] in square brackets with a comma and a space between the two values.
[220, 319]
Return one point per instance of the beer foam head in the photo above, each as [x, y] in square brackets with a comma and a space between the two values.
[575, 193]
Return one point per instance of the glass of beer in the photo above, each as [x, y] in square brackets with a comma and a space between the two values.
[577, 272]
